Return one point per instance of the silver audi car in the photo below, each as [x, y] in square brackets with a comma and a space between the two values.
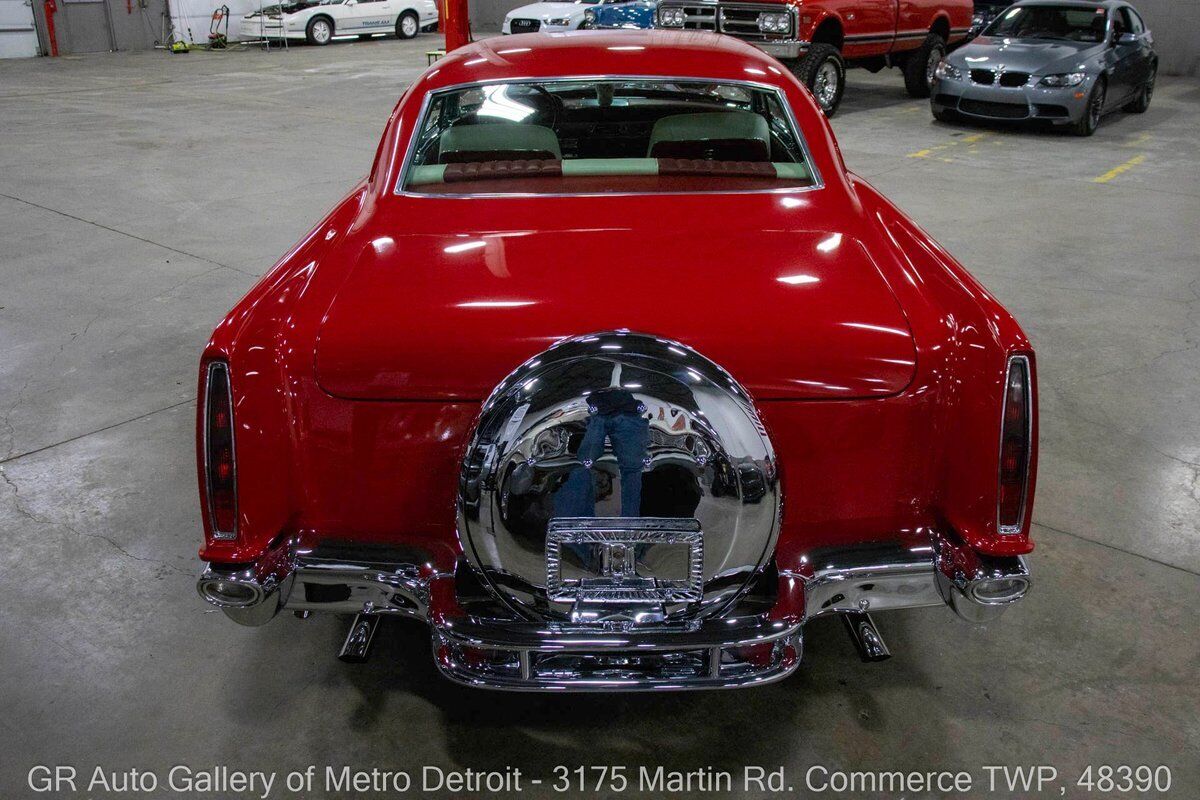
[1067, 62]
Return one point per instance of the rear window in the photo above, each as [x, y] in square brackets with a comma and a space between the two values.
[568, 137]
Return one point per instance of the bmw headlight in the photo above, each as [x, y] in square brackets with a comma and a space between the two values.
[1067, 79]
[947, 72]
[770, 22]
[670, 17]
[558, 21]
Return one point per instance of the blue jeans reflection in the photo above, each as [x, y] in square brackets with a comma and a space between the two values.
[629, 435]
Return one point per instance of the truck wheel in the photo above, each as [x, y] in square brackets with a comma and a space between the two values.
[319, 31]
[823, 71]
[407, 26]
[921, 63]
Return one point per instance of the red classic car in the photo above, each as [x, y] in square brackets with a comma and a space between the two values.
[818, 38]
[615, 376]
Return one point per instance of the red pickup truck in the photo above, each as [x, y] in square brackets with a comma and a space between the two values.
[816, 39]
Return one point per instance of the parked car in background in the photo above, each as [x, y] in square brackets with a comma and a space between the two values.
[620, 14]
[461, 398]
[818, 39]
[319, 22]
[985, 12]
[1066, 63]
[547, 17]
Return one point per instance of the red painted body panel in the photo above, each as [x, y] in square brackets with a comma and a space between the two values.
[489, 308]
[869, 28]
[368, 305]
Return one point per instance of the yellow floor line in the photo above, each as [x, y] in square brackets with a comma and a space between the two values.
[927, 152]
[1115, 171]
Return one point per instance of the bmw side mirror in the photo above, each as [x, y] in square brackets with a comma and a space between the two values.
[1127, 38]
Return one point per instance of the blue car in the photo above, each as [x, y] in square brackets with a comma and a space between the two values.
[619, 14]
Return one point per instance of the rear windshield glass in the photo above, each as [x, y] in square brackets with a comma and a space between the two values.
[1072, 23]
[567, 137]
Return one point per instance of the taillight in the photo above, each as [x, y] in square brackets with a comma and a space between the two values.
[1015, 443]
[220, 470]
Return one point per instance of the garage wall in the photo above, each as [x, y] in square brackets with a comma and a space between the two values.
[1176, 28]
[196, 16]
[97, 26]
[489, 14]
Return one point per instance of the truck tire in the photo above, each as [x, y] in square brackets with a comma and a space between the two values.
[920, 64]
[823, 71]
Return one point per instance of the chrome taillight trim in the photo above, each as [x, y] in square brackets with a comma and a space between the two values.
[218, 370]
[1023, 360]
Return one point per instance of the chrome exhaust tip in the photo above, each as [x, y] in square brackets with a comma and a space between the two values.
[230, 590]
[999, 591]
[240, 595]
[984, 596]
[868, 642]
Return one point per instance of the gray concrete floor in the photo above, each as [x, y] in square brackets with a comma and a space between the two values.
[141, 195]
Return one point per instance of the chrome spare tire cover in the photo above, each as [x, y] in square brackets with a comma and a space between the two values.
[617, 425]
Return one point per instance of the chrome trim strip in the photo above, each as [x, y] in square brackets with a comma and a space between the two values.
[720, 631]
[818, 181]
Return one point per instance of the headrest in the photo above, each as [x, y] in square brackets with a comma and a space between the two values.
[498, 141]
[722, 135]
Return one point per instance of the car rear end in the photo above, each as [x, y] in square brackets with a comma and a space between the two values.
[590, 454]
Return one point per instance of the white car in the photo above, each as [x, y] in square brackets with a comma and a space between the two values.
[319, 22]
[546, 17]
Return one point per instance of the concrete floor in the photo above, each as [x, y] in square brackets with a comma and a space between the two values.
[141, 195]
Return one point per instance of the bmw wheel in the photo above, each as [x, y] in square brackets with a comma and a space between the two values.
[1090, 120]
[824, 73]
[319, 30]
[1142, 103]
[408, 25]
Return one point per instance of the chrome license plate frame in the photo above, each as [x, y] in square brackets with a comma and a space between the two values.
[618, 540]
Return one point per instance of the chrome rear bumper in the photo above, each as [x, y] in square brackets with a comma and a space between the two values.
[711, 655]
[740, 648]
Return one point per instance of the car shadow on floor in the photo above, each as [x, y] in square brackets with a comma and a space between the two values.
[678, 730]
[872, 97]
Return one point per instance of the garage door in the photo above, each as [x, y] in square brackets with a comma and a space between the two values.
[18, 38]
[85, 26]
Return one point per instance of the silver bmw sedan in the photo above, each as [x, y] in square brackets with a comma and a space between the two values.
[1067, 62]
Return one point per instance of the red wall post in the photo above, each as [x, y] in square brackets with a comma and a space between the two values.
[49, 6]
[456, 23]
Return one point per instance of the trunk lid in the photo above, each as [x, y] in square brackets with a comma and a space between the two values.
[791, 315]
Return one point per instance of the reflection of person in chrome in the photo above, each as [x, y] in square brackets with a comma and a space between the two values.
[616, 415]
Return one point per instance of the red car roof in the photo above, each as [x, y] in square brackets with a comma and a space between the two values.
[691, 54]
